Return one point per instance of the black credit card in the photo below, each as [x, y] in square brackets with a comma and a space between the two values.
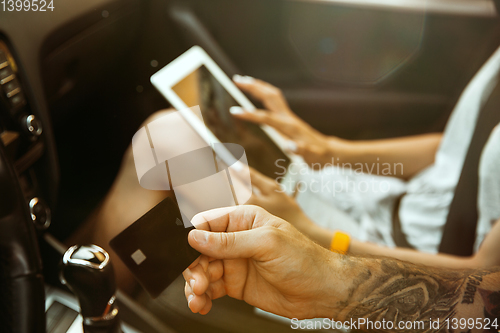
[155, 247]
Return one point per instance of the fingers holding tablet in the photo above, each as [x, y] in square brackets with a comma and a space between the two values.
[264, 184]
[284, 124]
[269, 95]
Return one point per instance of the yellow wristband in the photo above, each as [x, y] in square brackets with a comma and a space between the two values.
[340, 242]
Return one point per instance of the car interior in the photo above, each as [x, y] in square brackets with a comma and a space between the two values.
[75, 87]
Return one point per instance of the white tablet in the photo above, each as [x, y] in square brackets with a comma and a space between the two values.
[195, 79]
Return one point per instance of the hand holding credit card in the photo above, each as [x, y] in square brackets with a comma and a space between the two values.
[155, 247]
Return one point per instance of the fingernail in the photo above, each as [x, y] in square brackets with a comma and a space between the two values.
[191, 284]
[190, 298]
[291, 146]
[248, 79]
[243, 79]
[200, 237]
[236, 110]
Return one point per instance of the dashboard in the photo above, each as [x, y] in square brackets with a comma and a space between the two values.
[45, 60]
[28, 50]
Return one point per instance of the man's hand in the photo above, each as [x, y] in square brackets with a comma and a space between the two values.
[313, 146]
[251, 255]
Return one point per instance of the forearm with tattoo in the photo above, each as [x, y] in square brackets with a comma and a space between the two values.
[395, 291]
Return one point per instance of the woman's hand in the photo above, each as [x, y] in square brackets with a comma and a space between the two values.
[313, 146]
[269, 195]
[251, 255]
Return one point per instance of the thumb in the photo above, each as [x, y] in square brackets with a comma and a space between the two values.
[301, 148]
[296, 147]
[226, 245]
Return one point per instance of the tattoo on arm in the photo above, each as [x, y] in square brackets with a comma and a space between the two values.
[404, 292]
[491, 301]
[473, 282]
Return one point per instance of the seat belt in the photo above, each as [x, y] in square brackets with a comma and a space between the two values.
[459, 232]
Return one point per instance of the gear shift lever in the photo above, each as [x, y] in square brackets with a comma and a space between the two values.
[88, 272]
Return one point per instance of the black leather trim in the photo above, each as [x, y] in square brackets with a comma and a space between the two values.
[21, 281]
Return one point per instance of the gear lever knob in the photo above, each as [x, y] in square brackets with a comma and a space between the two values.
[88, 272]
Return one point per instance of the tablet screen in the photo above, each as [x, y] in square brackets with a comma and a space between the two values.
[203, 89]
